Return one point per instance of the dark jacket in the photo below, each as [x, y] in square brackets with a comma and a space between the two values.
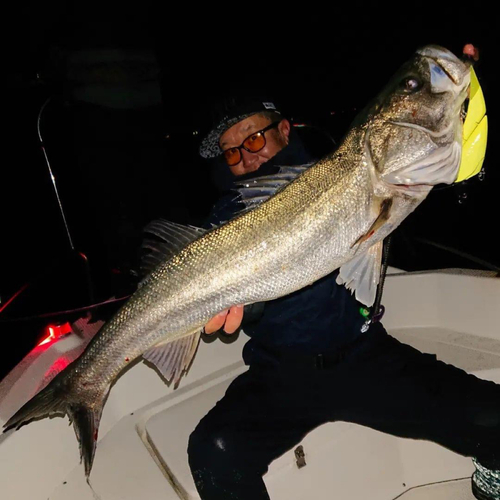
[317, 319]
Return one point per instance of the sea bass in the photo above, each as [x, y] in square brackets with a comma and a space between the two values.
[299, 226]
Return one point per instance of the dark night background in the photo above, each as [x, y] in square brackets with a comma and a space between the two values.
[128, 90]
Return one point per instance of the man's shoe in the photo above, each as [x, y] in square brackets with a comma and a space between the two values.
[485, 482]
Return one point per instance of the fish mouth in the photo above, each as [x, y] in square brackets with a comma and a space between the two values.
[454, 68]
[465, 106]
[462, 115]
[448, 74]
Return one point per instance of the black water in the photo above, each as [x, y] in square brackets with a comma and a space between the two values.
[116, 168]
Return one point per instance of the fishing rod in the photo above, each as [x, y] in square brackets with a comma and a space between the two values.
[51, 174]
[81, 255]
[69, 238]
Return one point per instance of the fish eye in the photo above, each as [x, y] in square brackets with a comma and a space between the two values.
[411, 84]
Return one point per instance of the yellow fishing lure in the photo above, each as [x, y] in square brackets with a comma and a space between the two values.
[475, 133]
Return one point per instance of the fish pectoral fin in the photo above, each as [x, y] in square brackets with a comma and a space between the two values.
[361, 274]
[172, 359]
[382, 218]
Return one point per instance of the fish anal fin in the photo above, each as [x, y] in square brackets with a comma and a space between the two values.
[361, 274]
[172, 359]
[382, 217]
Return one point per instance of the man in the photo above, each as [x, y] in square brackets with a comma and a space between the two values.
[240, 162]
[310, 360]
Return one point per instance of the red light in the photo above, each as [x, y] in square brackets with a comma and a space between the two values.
[55, 332]
[58, 366]
[48, 338]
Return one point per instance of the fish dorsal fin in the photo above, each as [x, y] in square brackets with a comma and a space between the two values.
[362, 274]
[255, 191]
[174, 358]
[163, 240]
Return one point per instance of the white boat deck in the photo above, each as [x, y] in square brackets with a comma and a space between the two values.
[141, 452]
[456, 490]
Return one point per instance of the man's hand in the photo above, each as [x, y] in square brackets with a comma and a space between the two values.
[230, 319]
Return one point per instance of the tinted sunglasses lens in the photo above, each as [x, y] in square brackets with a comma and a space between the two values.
[232, 156]
[255, 142]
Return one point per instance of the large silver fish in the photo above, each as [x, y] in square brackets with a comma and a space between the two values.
[332, 215]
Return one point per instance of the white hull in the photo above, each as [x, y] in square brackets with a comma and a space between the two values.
[141, 451]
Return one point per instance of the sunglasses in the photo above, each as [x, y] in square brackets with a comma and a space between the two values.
[253, 144]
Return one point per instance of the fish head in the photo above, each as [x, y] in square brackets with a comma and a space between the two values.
[413, 134]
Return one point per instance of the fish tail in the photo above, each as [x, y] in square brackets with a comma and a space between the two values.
[86, 421]
[52, 400]
[47, 402]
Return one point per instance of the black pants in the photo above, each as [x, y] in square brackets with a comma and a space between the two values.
[379, 383]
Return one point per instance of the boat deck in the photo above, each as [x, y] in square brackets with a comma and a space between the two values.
[142, 447]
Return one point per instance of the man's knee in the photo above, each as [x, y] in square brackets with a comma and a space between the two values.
[489, 419]
[487, 427]
[220, 464]
[223, 450]
[210, 449]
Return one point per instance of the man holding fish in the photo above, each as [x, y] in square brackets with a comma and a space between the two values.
[305, 231]
[310, 360]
